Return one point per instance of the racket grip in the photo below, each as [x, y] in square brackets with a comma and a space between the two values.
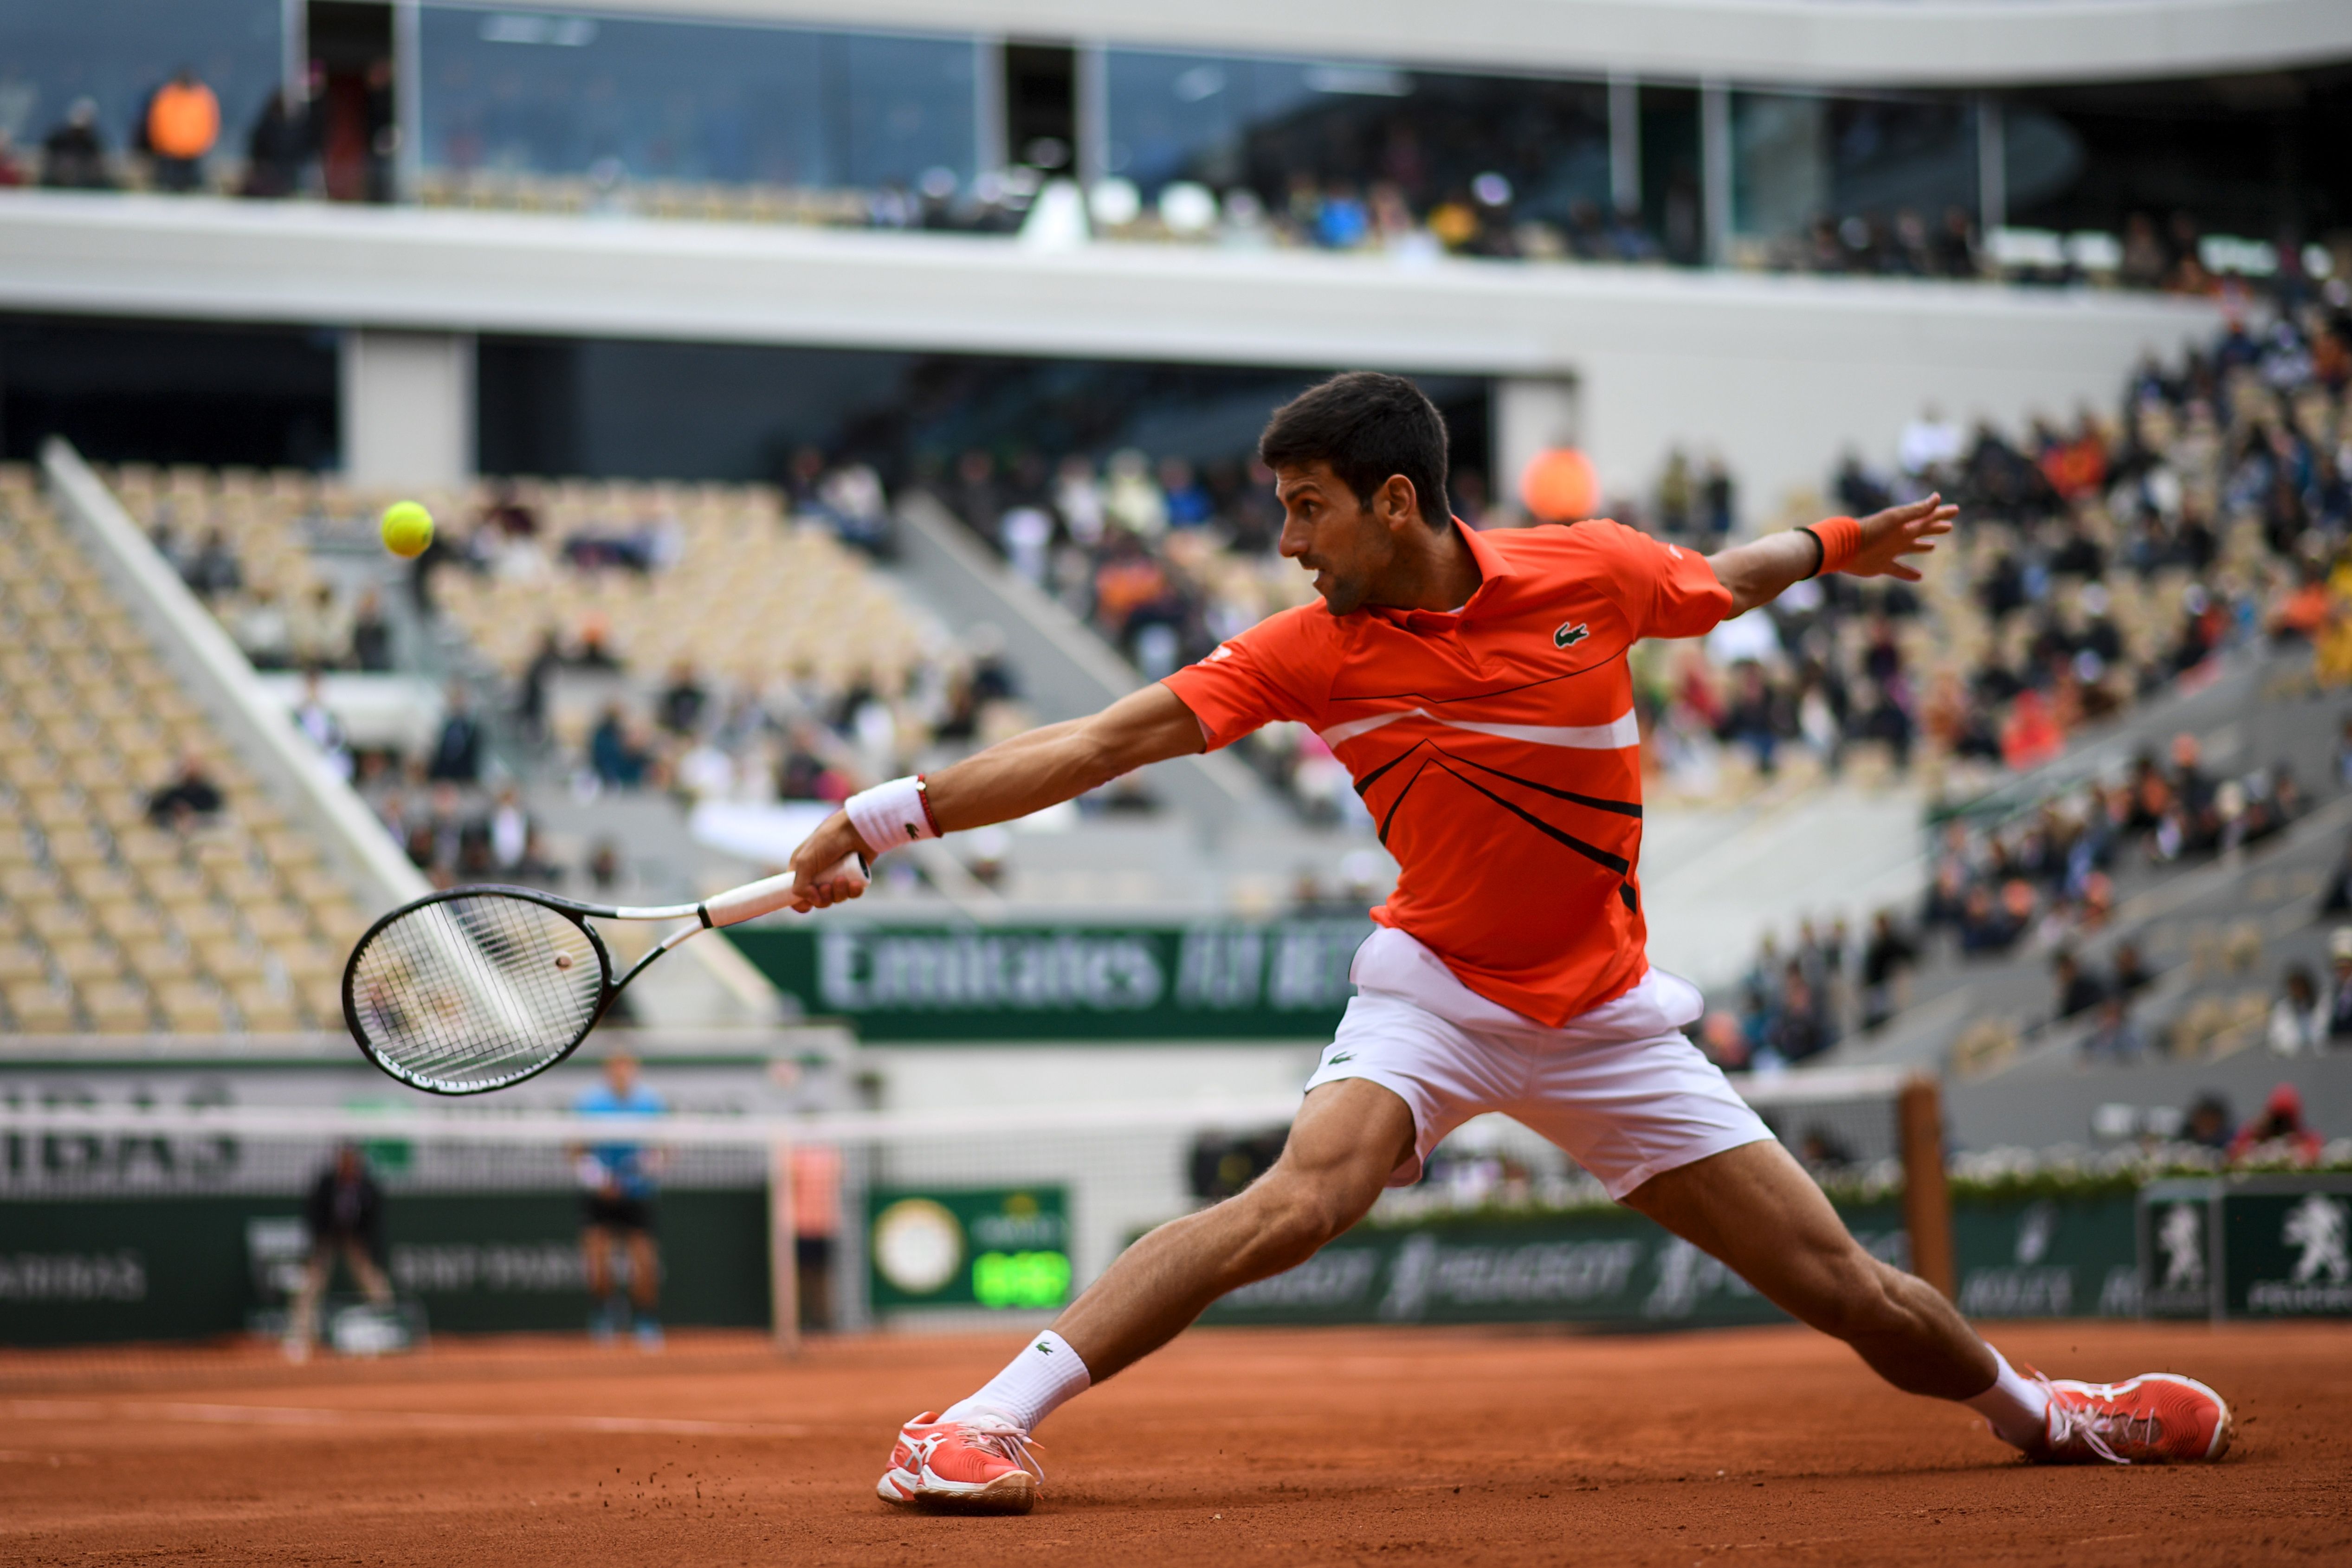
[754, 899]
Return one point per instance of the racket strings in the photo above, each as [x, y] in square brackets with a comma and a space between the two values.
[474, 991]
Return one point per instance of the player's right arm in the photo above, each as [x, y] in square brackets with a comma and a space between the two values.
[1027, 773]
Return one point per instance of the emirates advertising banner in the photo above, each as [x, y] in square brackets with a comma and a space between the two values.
[1216, 980]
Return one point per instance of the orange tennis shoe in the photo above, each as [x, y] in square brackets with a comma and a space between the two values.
[982, 1464]
[2156, 1418]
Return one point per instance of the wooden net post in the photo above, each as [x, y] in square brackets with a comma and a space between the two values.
[1926, 1200]
[783, 1252]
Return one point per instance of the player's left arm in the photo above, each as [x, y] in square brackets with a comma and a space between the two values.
[1759, 571]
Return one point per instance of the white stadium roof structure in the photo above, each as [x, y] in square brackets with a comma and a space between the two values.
[1857, 43]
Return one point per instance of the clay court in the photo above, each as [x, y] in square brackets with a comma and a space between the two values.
[1752, 1445]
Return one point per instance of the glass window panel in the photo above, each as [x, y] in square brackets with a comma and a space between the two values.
[909, 105]
[120, 51]
[552, 94]
[1798, 157]
[1230, 120]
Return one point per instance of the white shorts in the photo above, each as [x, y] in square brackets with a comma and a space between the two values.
[1618, 1087]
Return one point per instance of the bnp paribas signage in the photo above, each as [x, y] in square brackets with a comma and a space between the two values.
[1213, 981]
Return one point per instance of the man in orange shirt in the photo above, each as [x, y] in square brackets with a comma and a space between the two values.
[1475, 686]
[183, 124]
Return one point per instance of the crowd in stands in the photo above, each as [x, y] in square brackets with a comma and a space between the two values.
[713, 641]
[2044, 885]
[2094, 565]
[177, 146]
[1415, 195]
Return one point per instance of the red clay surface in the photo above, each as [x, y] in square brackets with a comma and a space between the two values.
[1276, 1447]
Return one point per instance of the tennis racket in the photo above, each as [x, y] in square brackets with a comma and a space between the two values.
[480, 987]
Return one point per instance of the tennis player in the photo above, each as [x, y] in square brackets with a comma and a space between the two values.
[1475, 686]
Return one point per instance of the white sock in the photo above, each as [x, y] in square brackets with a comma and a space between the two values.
[2017, 1407]
[1044, 1377]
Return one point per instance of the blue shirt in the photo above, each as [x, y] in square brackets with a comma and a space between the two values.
[624, 1161]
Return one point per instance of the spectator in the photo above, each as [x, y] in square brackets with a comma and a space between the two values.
[1986, 929]
[435, 555]
[182, 122]
[213, 570]
[2207, 1123]
[458, 752]
[278, 147]
[510, 833]
[1929, 443]
[2128, 976]
[316, 720]
[2112, 1038]
[1886, 958]
[342, 1216]
[614, 754]
[191, 795]
[73, 155]
[1723, 1040]
[1754, 718]
[319, 631]
[2339, 996]
[2278, 1133]
[1801, 1029]
[370, 638]
[2078, 990]
[604, 865]
[263, 631]
[12, 172]
[538, 676]
[682, 700]
[2299, 1020]
[592, 654]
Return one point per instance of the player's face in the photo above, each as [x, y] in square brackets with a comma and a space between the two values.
[1330, 533]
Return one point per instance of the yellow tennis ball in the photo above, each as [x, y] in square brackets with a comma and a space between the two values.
[407, 528]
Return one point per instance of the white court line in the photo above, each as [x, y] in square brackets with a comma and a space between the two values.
[410, 1420]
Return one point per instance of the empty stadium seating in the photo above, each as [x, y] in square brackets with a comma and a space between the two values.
[111, 922]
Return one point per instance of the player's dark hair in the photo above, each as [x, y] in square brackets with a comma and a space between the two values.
[1366, 426]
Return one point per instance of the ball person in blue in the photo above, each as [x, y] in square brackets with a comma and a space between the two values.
[617, 1184]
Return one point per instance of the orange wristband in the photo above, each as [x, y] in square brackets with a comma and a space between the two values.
[1841, 541]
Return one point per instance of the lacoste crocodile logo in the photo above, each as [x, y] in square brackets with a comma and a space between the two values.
[1336, 1057]
[1570, 634]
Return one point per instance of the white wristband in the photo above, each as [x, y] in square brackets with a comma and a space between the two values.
[889, 814]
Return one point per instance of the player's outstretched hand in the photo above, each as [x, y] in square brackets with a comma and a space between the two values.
[816, 865]
[1888, 535]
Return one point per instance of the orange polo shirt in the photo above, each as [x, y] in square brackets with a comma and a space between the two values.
[1495, 745]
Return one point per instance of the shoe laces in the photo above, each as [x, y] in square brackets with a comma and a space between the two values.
[995, 1434]
[2093, 1422]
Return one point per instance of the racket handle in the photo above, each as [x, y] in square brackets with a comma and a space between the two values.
[754, 899]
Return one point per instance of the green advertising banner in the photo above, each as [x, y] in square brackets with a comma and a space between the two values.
[79, 1272]
[977, 1247]
[2177, 1276]
[2286, 1245]
[2048, 1258]
[1604, 1267]
[1212, 981]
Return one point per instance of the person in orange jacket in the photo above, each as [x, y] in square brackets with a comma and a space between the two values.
[182, 126]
